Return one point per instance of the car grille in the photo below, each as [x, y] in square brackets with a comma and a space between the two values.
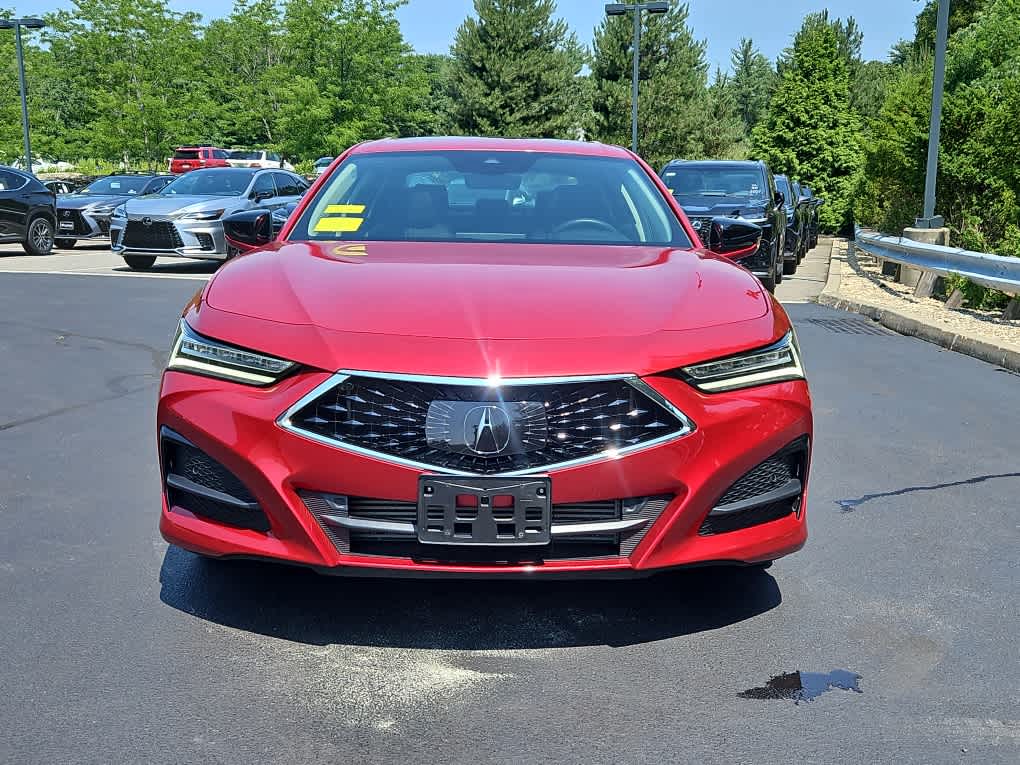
[79, 225]
[159, 235]
[487, 430]
[104, 225]
[702, 224]
[392, 544]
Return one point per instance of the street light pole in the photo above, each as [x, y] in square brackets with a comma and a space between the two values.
[929, 219]
[619, 9]
[16, 25]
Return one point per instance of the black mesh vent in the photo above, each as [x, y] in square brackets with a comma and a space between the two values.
[604, 545]
[159, 235]
[769, 475]
[547, 424]
[104, 225]
[205, 241]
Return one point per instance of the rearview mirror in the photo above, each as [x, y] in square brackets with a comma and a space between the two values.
[733, 237]
[248, 229]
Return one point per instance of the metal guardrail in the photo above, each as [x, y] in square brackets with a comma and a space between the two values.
[994, 271]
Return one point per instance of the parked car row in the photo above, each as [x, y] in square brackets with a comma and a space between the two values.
[786, 212]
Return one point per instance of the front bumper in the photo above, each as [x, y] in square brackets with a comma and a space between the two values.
[237, 427]
[173, 238]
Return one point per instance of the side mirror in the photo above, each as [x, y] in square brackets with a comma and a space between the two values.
[819, 202]
[779, 199]
[259, 196]
[249, 229]
[733, 237]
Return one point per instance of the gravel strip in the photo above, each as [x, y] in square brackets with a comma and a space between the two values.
[861, 281]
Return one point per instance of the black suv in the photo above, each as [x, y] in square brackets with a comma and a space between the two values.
[27, 211]
[796, 224]
[736, 189]
[85, 214]
[813, 204]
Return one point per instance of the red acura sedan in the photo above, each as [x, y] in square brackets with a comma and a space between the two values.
[486, 357]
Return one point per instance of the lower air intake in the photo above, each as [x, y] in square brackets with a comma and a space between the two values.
[195, 482]
[769, 492]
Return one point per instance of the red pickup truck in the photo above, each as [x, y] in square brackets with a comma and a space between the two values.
[194, 157]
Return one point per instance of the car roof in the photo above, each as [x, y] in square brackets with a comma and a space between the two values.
[755, 163]
[460, 143]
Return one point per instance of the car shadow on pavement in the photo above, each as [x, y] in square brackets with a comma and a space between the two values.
[303, 606]
[177, 267]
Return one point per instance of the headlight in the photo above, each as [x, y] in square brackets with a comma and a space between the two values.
[759, 221]
[205, 215]
[775, 363]
[99, 210]
[119, 212]
[199, 355]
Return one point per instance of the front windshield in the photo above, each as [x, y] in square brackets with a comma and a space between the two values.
[116, 185]
[743, 184]
[490, 196]
[223, 182]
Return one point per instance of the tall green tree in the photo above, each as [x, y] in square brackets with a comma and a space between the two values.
[133, 65]
[811, 132]
[752, 82]
[515, 72]
[242, 58]
[673, 103]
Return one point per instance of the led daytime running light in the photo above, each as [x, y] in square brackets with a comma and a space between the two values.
[194, 353]
[775, 363]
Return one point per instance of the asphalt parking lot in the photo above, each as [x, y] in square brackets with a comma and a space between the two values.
[902, 612]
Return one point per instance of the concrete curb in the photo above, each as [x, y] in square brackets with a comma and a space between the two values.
[905, 325]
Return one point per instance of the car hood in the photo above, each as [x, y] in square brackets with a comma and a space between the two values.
[487, 291]
[81, 201]
[158, 204]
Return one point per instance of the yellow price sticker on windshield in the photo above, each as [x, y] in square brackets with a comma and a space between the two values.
[335, 219]
[338, 225]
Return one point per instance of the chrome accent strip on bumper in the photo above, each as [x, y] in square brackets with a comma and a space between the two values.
[285, 420]
[557, 530]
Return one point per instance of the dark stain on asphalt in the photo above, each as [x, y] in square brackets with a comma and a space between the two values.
[158, 356]
[804, 686]
[115, 384]
[849, 505]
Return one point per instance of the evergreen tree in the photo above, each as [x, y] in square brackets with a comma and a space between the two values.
[514, 72]
[752, 83]
[811, 132]
[673, 101]
[724, 136]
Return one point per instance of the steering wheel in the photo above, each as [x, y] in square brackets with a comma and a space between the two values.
[586, 223]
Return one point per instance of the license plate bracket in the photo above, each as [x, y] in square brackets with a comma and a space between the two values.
[484, 510]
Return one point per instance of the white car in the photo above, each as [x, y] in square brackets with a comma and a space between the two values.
[43, 165]
[257, 158]
[322, 164]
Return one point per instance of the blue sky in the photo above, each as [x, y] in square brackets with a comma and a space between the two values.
[429, 25]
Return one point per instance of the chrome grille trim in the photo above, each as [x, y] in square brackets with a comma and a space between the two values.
[285, 420]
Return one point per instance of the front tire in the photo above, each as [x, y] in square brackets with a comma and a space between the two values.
[139, 262]
[790, 266]
[66, 244]
[39, 240]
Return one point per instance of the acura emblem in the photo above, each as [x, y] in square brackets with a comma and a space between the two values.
[487, 429]
[146, 221]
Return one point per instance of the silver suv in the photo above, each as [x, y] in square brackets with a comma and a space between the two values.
[185, 219]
